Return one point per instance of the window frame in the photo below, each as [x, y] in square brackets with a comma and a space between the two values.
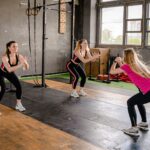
[125, 4]
[126, 25]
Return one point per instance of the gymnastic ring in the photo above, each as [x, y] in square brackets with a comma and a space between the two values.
[34, 11]
[29, 12]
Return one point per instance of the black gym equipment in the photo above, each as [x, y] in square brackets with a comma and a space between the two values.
[34, 11]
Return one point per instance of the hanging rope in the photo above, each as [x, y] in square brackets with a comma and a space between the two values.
[29, 29]
[29, 12]
[35, 62]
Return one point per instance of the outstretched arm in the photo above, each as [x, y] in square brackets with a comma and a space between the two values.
[23, 60]
[95, 56]
[113, 69]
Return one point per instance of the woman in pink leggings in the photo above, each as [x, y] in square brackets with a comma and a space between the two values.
[139, 74]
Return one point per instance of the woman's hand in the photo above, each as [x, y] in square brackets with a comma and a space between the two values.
[118, 60]
[87, 48]
[26, 65]
[24, 62]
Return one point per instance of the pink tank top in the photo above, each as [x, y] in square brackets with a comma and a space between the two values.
[141, 82]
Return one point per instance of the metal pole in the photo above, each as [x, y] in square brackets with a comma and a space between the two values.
[72, 31]
[144, 40]
[98, 17]
[43, 43]
[72, 26]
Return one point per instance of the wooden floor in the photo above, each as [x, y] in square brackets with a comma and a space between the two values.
[86, 123]
[20, 132]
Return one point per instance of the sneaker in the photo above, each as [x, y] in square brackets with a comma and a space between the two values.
[133, 131]
[143, 126]
[82, 93]
[20, 107]
[74, 94]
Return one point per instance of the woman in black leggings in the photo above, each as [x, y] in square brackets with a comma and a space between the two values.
[11, 61]
[75, 68]
[139, 74]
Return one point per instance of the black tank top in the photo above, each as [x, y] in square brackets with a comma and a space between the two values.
[12, 65]
[76, 60]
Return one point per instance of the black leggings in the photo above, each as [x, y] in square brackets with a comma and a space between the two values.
[13, 79]
[138, 99]
[76, 71]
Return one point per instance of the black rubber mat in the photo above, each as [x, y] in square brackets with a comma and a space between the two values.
[96, 121]
[98, 86]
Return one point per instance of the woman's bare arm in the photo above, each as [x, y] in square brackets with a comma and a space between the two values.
[23, 60]
[77, 53]
[113, 69]
[7, 65]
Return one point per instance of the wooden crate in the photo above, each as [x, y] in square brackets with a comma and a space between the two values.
[100, 65]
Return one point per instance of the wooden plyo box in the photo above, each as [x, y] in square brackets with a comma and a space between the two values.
[100, 65]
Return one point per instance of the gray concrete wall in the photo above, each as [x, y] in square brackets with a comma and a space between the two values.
[14, 26]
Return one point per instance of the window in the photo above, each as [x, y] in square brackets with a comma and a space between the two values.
[133, 38]
[112, 25]
[135, 12]
[134, 25]
[126, 24]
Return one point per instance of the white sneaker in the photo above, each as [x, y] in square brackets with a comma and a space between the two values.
[143, 126]
[133, 131]
[20, 107]
[74, 94]
[82, 93]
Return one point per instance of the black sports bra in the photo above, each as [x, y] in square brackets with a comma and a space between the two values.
[76, 60]
[12, 65]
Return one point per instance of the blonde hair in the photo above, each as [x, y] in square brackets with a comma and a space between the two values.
[132, 59]
[78, 45]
